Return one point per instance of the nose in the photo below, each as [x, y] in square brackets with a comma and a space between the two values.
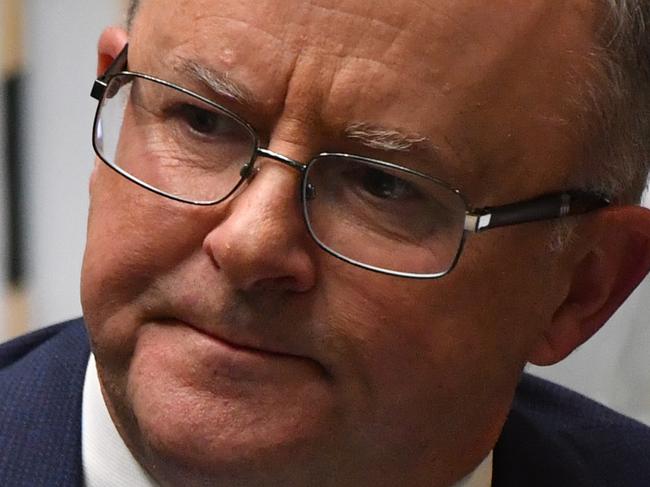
[262, 242]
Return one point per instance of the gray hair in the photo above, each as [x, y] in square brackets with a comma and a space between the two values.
[616, 117]
[617, 145]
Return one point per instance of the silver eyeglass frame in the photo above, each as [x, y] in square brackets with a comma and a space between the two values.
[545, 207]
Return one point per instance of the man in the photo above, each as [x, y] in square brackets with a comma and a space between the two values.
[382, 342]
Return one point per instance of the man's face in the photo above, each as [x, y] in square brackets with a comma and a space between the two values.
[231, 348]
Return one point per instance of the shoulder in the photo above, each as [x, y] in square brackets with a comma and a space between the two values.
[68, 333]
[41, 383]
[555, 434]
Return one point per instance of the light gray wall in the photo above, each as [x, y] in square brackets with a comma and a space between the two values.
[61, 39]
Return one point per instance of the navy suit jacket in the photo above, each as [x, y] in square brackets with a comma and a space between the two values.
[553, 437]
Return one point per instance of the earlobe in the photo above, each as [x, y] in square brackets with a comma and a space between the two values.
[617, 260]
[111, 43]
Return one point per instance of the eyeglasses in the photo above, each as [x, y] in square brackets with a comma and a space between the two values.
[370, 213]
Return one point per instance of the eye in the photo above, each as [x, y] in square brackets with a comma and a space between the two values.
[384, 185]
[202, 121]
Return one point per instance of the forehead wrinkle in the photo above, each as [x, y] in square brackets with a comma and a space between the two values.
[220, 83]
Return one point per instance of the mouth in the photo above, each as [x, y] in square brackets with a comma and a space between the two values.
[237, 347]
[241, 350]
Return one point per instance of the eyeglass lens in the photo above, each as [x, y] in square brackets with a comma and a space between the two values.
[172, 141]
[384, 217]
[367, 212]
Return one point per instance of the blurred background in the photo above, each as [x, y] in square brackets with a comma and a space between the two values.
[47, 66]
[47, 59]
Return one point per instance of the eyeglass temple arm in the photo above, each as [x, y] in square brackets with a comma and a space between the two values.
[118, 65]
[547, 207]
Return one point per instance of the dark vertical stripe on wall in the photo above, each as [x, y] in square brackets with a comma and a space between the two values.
[14, 85]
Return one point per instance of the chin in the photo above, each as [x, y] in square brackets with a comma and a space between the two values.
[229, 450]
[226, 435]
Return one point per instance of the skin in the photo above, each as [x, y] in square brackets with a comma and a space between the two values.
[232, 351]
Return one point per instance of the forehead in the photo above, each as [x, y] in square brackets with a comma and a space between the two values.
[478, 78]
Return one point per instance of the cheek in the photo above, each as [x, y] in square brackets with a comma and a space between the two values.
[119, 248]
[415, 369]
[433, 348]
[134, 238]
[134, 235]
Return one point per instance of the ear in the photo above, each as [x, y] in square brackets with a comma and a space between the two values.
[616, 260]
[111, 43]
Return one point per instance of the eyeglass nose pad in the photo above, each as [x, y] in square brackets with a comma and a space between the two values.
[248, 171]
[310, 192]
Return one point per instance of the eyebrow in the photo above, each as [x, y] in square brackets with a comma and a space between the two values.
[368, 134]
[390, 139]
[220, 83]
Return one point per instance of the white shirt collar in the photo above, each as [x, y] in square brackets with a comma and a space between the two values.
[106, 459]
[481, 476]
